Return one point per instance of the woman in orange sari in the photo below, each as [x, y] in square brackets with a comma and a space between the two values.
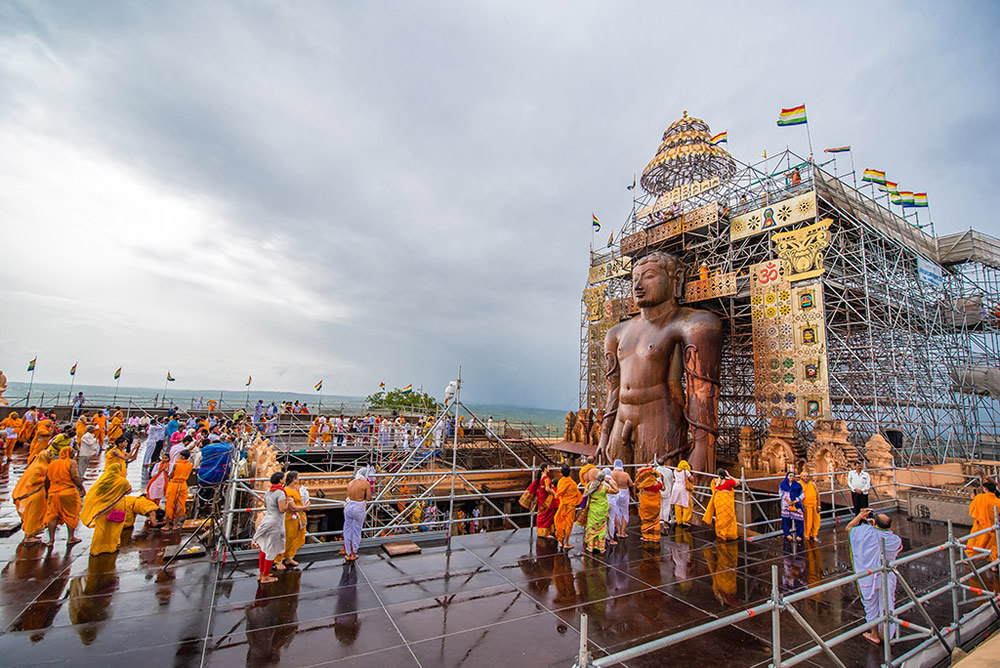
[104, 509]
[177, 490]
[9, 429]
[44, 430]
[65, 490]
[569, 496]
[30, 499]
[547, 505]
[649, 484]
[81, 427]
[117, 427]
[117, 453]
[295, 522]
[722, 507]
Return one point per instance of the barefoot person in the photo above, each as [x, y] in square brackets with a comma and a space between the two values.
[104, 509]
[65, 491]
[359, 492]
[177, 490]
[867, 535]
[270, 534]
[295, 521]
[568, 495]
[30, 499]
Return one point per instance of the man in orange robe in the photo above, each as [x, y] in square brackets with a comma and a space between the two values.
[810, 507]
[177, 490]
[313, 431]
[65, 490]
[569, 496]
[44, 430]
[982, 511]
[101, 422]
[9, 429]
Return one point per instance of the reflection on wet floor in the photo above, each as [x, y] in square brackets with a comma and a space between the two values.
[502, 596]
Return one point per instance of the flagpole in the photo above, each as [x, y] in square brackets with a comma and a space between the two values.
[118, 382]
[163, 399]
[854, 173]
[31, 381]
[72, 377]
[809, 137]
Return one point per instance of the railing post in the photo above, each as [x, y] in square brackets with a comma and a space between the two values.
[954, 555]
[886, 624]
[743, 489]
[583, 659]
[775, 619]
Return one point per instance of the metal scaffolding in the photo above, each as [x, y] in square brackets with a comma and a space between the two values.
[903, 354]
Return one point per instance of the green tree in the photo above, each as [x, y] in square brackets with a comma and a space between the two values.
[395, 399]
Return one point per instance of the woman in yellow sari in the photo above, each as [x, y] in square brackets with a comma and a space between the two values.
[295, 522]
[65, 489]
[722, 507]
[650, 484]
[104, 509]
[116, 428]
[569, 496]
[30, 499]
[117, 453]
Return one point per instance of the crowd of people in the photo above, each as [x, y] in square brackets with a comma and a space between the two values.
[370, 430]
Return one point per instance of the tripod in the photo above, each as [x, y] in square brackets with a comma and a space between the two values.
[216, 531]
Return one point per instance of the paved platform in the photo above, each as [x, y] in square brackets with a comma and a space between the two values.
[494, 598]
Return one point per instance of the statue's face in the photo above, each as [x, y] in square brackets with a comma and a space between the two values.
[651, 284]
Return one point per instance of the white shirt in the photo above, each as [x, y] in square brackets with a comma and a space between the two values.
[859, 482]
[668, 479]
[88, 445]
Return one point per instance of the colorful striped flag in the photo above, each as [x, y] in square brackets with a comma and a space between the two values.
[793, 116]
[31, 364]
[407, 390]
[631, 187]
[72, 370]
[170, 378]
[118, 374]
[721, 138]
[897, 198]
[837, 149]
[890, 187]
[611, 240]
[874, 176]
[319, 386]
[382, 384]
[920, 199]
[249, 379]
[597, 223]
[906, 198]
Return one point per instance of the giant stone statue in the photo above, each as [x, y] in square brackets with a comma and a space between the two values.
[649, 410]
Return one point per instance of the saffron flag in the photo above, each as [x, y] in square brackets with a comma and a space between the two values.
[837, 149]
[920, 199]
[721, 138]
[597, 223]
[319, 386]
[874, 176]
[118, 374]
[31, 364]
[72, 370]
[793, 116]
[170, 378]
[611, 240]
[631, 187]
[407, 390]
[249, 378]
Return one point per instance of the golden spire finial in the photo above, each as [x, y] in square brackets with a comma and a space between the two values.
[685, 113]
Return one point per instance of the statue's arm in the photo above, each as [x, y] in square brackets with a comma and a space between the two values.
[613, 374]
[702, 365]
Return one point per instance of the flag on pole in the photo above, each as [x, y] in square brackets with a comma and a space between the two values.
[407, 390]
[906, 198]
[896, 198]
[597, 223]
[382, 385]
[721, 138]
[319, 386]
[72, 370]
[249, 378]
[890, 187]
[920, 199]
[837, 149]
[793, 116]
[170, 378]
[631, 187]
[611, 240]
[874, 176]
[118, 374]
[31, 364]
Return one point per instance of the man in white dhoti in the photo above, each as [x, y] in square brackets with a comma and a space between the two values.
[867, 533]
[359, 492]
[619, 503]
[666, 507]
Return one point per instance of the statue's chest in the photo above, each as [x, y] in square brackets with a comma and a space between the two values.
[648, 344]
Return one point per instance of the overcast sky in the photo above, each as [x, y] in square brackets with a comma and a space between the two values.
[366, 192]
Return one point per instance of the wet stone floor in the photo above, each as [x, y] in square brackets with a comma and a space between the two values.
[500, 598]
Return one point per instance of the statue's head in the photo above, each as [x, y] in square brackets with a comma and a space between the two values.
[657, 278]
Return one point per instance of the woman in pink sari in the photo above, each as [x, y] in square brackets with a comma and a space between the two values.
[547, 503]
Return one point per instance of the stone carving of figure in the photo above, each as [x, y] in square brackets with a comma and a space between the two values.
[582, 426]
[3, 388]
[570, 423]
[595, 428]
[648, 412]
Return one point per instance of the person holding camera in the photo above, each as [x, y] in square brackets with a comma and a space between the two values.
[867, 533]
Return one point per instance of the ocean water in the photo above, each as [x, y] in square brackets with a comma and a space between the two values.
[48, 394]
